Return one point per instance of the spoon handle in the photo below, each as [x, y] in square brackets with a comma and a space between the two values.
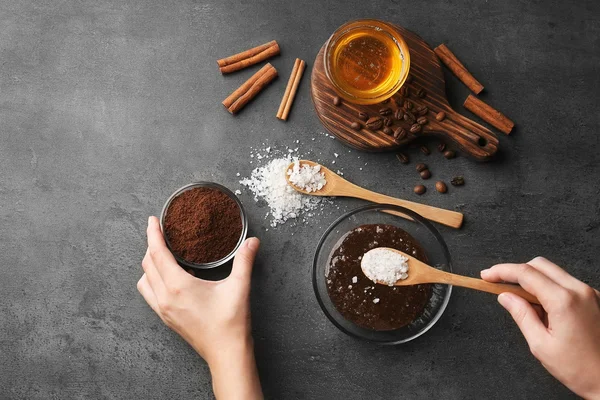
[449, 218]
[485, 286]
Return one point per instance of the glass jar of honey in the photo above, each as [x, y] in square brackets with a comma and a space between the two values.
[367, 61]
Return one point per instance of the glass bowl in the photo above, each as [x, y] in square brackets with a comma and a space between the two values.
[422, 231]
[243, 216]
[366, 26]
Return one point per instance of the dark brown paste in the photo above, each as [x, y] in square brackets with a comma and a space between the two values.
[396, 306]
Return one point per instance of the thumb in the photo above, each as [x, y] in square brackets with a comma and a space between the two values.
[525, 316]
[244, 259]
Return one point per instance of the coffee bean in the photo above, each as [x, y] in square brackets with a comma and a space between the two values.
[404, 91]
[441, 187]
[415, 128]
[422, 110]
[337, 101]
[375, 123]
[422, 120]
[449, 154]
[426, 174]
[363, 116]
[403, 158]
[385, 111]
[421, 167]
[440, 116]
[399, 101]
[441, 147]
[355, 125]
[399, 133]
[420, 189]
[409, 79]
[387, 122]
[385, 101]
[457, 181]
[409, 117]
[421, 93]
[425, 150]
[399, 114]
[408, 105]
[387, 131]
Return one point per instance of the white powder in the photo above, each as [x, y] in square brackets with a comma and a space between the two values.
[375, 300]
[268, 182]
[307, 177]
[354, 279]
[384, 266]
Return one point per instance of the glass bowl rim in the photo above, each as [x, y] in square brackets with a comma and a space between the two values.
[417, 218]
[370, 23]
[222, 189]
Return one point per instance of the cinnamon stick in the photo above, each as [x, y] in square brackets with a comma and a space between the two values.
[291, 89]
[249, 57]
[249, 89]
[245, 86]
[489, 114]
[457, 68]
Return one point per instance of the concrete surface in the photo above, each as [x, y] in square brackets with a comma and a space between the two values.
[106, 107]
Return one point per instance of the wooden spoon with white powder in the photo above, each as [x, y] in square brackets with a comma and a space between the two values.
[392, 267]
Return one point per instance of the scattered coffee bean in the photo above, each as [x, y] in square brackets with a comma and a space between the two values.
[385, 101]
[399, 114]
[355, 125]
[404, 91]
[403, 158]
[426, 174]
[441, 147]
[387, 122]
[440, 116]
[415, 128]
[422, 120]
[457, 181]
[409, 117]
[421, 167]
[375, 123]
[420, 189]
[408, 105]
[337, 101]
[422, 110]
[385, 111]
[441, 187]
[421, 93]
[387, 130]
[425, 150]
[409, 79]
[399, 101]
[363, 116]
[449, 154]
[399, 133]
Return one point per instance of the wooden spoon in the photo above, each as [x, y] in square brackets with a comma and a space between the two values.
[338, 186]
[419, 272]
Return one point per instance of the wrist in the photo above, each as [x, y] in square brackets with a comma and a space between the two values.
[233, 371]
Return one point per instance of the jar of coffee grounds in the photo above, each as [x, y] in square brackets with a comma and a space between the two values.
[203, 224]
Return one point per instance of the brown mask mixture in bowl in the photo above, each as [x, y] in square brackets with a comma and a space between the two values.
[360, 300]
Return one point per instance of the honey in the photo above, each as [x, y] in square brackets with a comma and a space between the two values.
[366, 64]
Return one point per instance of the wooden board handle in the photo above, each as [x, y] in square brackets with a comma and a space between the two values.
[449, 218]
[485, 286]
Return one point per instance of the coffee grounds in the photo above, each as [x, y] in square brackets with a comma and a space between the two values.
[203, 225]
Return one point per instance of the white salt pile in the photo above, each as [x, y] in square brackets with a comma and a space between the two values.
[384, 266]
[268, 182]
[306, 177]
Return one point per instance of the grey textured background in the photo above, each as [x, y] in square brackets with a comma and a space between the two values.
[106, 107]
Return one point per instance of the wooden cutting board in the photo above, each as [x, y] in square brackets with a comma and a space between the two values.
[425, 73]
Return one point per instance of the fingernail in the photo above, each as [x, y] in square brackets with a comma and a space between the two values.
[149, 220]
[505, 299]
[484, 271]
[253, 243]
